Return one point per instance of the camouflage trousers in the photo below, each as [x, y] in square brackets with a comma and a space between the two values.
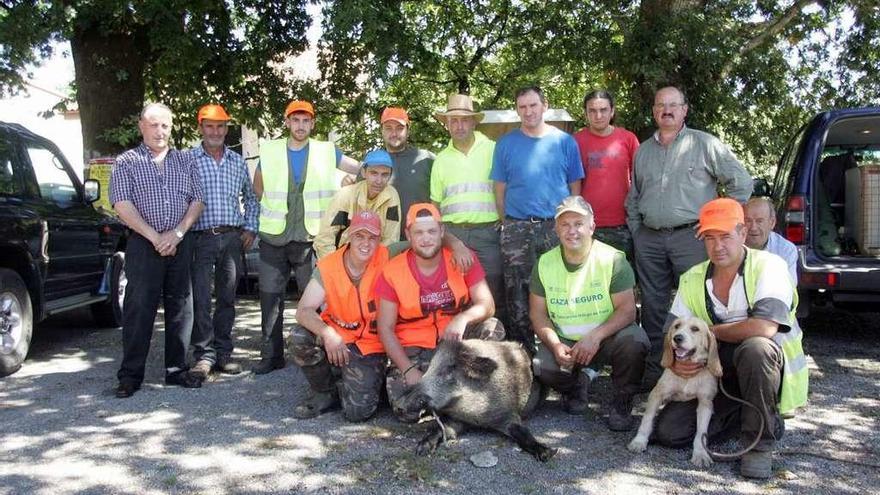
[522, 243]
[490, 329]
[358, 384]
[619, 238]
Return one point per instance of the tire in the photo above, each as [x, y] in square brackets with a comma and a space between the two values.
[108, 314]
[16, 322]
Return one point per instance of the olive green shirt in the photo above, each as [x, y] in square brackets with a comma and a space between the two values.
[671, 183]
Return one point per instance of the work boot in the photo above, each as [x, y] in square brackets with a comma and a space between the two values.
[620, 417]
[201, 369]
[316, 404]
[757, 464]
[576, 402]
[268, 366]
[227, 366]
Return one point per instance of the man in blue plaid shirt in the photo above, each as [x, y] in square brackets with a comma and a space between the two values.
[220, 235]
[157, 192]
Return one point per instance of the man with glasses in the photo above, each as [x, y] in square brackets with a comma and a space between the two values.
[675, 172]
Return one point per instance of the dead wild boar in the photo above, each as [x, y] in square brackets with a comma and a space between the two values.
[480, 383]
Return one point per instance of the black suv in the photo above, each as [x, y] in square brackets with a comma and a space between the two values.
[57, 252]
[827, 191]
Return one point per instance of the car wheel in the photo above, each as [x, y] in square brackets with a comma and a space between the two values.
[16, 322]
[108, 314]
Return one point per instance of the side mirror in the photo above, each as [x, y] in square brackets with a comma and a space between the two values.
[92, 190]
[760, 187]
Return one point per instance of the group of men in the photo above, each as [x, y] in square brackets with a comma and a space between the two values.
[528, 237]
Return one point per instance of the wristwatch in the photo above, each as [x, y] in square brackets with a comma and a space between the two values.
[178, 233]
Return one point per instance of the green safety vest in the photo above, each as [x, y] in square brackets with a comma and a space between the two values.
[579, 301]
[468, 193]
[795, 375]
[320, 186]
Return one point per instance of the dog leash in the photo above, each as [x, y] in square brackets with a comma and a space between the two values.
[725, 457]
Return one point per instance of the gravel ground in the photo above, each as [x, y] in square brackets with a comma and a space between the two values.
[64, 432]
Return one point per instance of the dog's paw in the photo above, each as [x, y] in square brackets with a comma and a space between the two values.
[701, 459]
[638, 444]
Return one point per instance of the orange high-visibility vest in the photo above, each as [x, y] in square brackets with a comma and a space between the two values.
[414, 327]
[351, 311]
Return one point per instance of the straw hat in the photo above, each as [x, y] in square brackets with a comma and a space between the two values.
[459, 106]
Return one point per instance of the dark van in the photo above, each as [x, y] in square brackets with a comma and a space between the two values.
[827, 191]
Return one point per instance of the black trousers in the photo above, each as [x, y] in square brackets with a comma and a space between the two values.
[152, 277]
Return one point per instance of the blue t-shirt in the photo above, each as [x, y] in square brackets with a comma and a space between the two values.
[297, 160]
[537, 171]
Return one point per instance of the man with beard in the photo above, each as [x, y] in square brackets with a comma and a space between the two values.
[295, 181]
[424, 297]
[335, 342]
[583, 309]
[412, 166]
[221, 234]
[675, 172]
[371, 194]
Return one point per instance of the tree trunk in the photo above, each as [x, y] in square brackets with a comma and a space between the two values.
[109, 84]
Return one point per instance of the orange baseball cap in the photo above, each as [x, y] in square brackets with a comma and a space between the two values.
[722, 214]
[394, 113]
[299, 106]
[212, 112]
[415, 213]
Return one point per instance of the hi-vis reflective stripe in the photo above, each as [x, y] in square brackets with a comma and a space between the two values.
[275, 194]
[312, 214]
[468, 206]
[578, 330]
[468, 187]
[787, 340]
[272, 214]
[318, 194]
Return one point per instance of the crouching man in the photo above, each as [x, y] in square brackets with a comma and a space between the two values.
[583, 311]
[424, 297]
[749, 300]
[338, 348]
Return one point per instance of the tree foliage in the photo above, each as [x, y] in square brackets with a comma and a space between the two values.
[753, 70]
[182, 52]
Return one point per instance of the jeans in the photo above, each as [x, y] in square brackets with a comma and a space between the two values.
[216, 263]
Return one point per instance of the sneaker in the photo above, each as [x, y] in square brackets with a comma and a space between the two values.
[620, 417]
[577, 402]
[316, 404]
[227, 366]
[757, 464]
[184, 379]
[126, 389]
[268, 366]
[201, 369]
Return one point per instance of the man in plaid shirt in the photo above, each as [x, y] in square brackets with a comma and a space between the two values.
[220, 235]
[156, 191]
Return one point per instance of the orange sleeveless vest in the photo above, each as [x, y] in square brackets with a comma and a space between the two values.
[351, 310]
[415, 328]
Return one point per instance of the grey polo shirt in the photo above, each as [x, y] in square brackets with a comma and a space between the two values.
[671, 183]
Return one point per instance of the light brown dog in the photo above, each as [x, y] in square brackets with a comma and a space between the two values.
[688, 339]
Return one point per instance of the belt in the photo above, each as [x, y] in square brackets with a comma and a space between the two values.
[674, 229]
[222, 229]
[528, 219]
[466, 225]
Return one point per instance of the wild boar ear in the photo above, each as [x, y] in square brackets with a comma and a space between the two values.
[475, 367]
